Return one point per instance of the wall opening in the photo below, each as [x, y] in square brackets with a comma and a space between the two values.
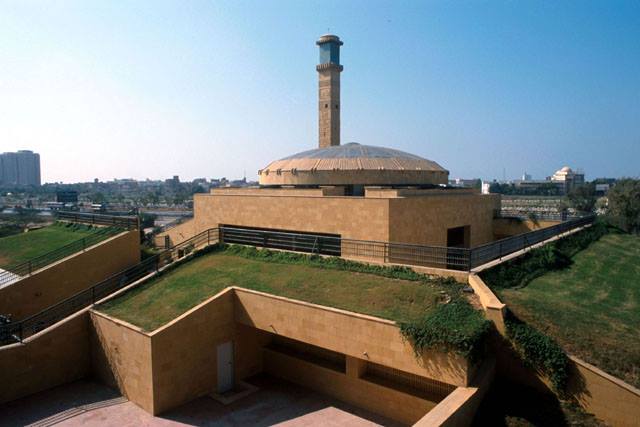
[406, 382]
[309, 353]
[458, 237]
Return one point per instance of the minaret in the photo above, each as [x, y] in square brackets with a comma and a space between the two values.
[329, 90]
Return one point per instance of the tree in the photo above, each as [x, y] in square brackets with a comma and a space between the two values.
[147, 220]
[98, 198]
[583, 198]
[624, 204]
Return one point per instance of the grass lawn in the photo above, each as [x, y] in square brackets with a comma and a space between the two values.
[166, 297]
[25, 246]
[592, 308]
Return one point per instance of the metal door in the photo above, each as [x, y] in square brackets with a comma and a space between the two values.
[225, 367]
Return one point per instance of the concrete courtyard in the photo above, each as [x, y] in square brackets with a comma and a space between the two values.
[276, 402]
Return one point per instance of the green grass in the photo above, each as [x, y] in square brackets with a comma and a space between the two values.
[592, 307]
[166, 297]
[25, 246]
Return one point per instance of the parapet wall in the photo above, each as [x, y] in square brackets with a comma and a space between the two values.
[70, 275]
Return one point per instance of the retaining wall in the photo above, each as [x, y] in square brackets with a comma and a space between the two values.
[364, 337]
[121, 356]
[178, 362]
[507, 227]
[70, 275]
[50, 358]
[607, 397]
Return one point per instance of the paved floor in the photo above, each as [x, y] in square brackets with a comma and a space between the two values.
[275, 403]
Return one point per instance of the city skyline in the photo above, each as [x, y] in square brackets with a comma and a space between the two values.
[103, 90]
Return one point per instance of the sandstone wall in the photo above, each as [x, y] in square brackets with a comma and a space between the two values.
[70, 275]
[424, 220]
[351, 217]
[45, 360]
[121, 357]
[348, 387]
[360, 336]
[184, 352]
[506, 227]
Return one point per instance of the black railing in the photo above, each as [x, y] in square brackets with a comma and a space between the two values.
[495, 250]
[452, 258]
[434, 256]
[298, 242]
[15, 272]
[19, 330]
[128, 222]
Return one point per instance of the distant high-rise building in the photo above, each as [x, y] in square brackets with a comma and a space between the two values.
[21, 168]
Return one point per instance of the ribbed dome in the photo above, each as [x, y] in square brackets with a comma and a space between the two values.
[353, 164]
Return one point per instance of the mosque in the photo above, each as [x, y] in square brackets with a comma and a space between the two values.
[350, 191]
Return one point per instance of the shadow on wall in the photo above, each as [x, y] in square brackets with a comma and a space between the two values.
[522, 394]
[104, 366]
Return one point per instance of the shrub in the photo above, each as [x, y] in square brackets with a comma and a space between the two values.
[455, 326]
[539, 351]
[336, 263]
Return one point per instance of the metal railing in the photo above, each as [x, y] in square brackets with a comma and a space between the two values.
[15, 272]
[495, 250]
[385, 252]
[128, 222]
[453, 258]
[298, 242]
[17, 331]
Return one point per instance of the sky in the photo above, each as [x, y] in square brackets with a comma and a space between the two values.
[151, 89]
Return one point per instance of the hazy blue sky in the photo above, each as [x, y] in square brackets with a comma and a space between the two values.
[207, 89]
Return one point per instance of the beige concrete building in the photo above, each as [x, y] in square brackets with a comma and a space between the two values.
[350, 191]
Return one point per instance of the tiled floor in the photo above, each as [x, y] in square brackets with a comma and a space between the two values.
[275, 403]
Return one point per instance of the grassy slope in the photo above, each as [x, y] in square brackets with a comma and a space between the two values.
[593, 307]
[163, 299]
[25, 246]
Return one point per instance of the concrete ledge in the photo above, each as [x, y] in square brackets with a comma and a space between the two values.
[493, 307]
[459, 407]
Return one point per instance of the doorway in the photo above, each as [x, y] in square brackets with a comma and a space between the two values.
[458, 237]
[225, 367]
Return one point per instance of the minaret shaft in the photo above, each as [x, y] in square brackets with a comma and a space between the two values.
[329, 106]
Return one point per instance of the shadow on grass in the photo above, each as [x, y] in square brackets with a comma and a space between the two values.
[510, 404]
